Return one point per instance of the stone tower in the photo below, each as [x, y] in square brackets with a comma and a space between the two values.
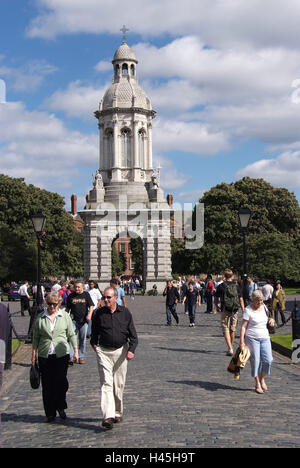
[126, 198]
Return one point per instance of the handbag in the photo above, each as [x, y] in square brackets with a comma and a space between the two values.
[34, 376]
[271, 328]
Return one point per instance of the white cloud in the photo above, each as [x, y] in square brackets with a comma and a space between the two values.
[283, 171]
[26, 77]
[256, 23]
[77, 100]
[39, 147]
[190, 137]
[170, 177]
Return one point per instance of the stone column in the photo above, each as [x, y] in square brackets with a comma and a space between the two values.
[102, 161]
[149, 155]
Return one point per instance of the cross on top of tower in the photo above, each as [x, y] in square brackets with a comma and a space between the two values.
[124, 30]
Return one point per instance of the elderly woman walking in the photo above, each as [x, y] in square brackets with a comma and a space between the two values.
[53, 330]
[255, 334]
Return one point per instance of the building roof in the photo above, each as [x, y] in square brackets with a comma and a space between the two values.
[124, 52]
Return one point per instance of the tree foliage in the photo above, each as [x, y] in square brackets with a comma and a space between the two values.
[62, 247]
[273, 239]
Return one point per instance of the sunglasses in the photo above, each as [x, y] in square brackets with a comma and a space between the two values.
[107, 297]
[52, 304]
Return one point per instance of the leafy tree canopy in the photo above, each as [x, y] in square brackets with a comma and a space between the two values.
[62, 251]
[273, 239]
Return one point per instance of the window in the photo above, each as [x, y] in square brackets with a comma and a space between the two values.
[122, 247]
[126, 148]
[109, 150]
[124, 69]
[132, 71]
[141, 148]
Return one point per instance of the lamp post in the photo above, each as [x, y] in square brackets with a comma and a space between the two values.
[244, 217]
[38, 222]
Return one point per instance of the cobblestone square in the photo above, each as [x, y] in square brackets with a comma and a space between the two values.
[178, 394]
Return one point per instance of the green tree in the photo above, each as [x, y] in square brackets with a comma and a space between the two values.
[273, 239]
[62, 250]
[136, 247]
[118, 262]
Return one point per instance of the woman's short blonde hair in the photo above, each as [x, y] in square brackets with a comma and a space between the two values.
[257, 294]
[54, 297]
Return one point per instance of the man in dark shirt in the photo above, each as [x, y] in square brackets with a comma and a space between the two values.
[171, 301]
[80, 306]
[192, 297]
[114, 340]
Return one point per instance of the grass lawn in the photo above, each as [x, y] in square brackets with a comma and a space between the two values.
[291, 290]
[283, 340]
[15, 344]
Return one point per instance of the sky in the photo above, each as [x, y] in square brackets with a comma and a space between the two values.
[223, 77]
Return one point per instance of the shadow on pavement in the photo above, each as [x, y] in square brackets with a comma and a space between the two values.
[210, 386]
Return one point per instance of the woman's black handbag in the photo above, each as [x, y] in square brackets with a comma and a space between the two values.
[34, 376]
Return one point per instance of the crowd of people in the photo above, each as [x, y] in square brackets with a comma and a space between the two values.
[260, 308]
[77, 310]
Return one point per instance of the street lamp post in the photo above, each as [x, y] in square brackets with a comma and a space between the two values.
[244, 217]
[38, 222]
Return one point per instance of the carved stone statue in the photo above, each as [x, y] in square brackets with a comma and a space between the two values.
[154, 181]
[98, 181]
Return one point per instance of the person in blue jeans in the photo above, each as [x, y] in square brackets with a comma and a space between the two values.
[80, 306]
[192, 298]
[255, 335]
[172, 299]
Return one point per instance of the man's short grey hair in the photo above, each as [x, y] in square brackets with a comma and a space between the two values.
[112, 289]
[257, 294]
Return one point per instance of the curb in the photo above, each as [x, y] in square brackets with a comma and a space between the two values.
[282, 349]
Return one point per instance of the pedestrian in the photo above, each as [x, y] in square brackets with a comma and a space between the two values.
[209, 292]
[52, 332]
[34, 290]
[255, 335]
[231, 299]
[278, 302]
[114, 339]
[56, 286]
[96, 298]
[80, 306]
[25, 298]
[114, 283]
[192, 297]
[172, 299]
[267, 291]
[5, 327]
[64, 291]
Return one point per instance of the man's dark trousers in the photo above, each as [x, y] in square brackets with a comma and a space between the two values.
[171, 310]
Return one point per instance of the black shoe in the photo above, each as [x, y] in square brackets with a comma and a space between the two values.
[108, 423]
[62, 414]
[50, 419]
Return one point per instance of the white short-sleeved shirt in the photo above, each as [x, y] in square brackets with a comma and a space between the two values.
[257, 322]
[95, 295]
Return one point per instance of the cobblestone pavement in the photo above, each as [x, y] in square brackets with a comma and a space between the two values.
[178, 394]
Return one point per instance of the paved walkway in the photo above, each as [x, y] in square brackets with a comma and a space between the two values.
[178, 395]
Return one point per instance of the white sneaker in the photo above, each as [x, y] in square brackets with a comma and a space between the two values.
[230, 352]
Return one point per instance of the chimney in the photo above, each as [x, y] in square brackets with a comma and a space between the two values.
[170, 200]
[73, 204]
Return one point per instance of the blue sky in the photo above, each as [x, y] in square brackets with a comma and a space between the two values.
[223, 77]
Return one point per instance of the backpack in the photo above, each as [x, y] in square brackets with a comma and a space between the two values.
[231, 298]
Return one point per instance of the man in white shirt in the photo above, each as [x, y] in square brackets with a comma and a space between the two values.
[24, 298]
[267, 291]
[96, 298]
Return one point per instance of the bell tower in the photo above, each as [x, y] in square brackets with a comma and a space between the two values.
[126, 178]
